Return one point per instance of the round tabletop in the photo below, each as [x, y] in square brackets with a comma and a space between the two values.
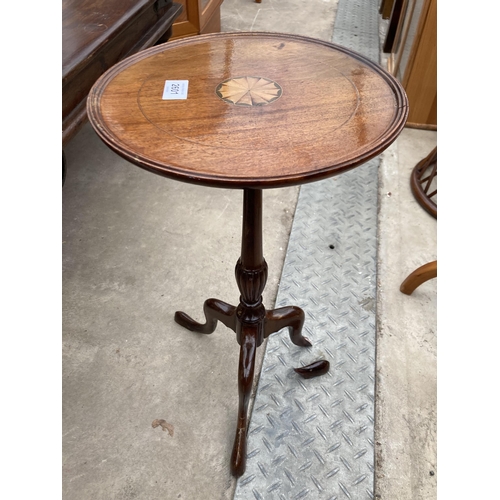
[247, 110]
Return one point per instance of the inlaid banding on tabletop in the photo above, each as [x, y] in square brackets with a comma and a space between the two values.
[262, 110]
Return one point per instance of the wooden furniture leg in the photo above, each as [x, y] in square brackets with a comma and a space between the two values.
[422, 182]
[423, 186]
[250, 320]
[416, 278]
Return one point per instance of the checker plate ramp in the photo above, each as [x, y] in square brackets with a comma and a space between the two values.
[314, 438]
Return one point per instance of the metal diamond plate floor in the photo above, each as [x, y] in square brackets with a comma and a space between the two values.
[314, 438]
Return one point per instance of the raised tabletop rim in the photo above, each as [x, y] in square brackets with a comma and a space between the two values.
[225, 181]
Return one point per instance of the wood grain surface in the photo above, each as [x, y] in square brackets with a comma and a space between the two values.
[335, 110]
[96, 34]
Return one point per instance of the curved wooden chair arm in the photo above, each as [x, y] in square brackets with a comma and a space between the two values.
[419, 276]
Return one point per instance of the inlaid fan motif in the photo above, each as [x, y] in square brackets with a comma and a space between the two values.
[249, 91]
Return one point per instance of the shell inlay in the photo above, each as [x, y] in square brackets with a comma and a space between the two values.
[249, 91]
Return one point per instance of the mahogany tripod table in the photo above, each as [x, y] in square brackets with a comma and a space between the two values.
[262, 110]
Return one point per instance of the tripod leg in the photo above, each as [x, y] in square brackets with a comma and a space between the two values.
[215, 310]
[248, 346]
[292, 317]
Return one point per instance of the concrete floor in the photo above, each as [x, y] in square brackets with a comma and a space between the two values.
[137, 248]
[405, 408]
